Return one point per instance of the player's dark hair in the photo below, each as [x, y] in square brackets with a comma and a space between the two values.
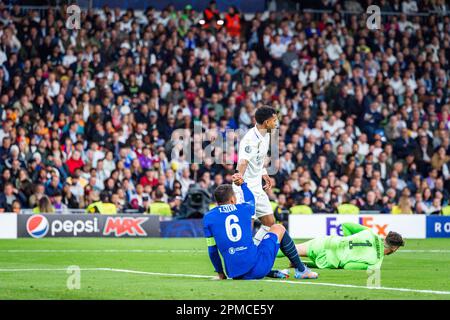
[223, 193]
[264, 113]
[394, 239]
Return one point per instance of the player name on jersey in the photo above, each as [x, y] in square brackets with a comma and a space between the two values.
[227, 208]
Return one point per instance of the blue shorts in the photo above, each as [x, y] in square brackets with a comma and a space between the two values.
[265, 258]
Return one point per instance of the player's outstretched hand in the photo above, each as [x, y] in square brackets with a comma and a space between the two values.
[268, 182]
[220, 276]
[237, 179]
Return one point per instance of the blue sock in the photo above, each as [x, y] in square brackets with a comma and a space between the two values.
[287, 246]
[272, 273]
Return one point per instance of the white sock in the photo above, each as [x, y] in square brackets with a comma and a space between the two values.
[260, 234]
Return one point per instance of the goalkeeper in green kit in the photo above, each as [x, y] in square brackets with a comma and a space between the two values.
[359, 249]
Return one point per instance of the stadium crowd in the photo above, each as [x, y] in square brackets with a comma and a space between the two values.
[88, 114]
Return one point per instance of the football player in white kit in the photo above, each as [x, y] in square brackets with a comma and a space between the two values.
[253, 150]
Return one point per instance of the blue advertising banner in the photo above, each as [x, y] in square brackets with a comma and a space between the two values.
[438, 227]
[192, 228]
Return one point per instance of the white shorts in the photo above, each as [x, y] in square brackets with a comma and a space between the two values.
[263, 206]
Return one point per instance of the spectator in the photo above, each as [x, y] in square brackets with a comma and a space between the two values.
[403, 207]
[233, 22]
[371, 203]
[44, 206]
[158, 206]
[74, 162]
[16, 207]
[360, 113]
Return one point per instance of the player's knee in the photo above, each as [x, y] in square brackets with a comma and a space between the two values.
[278, 229]
[281, 227]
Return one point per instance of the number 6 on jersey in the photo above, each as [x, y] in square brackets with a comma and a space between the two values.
[231, 223]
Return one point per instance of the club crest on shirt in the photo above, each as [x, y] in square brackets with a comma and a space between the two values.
[248, 149]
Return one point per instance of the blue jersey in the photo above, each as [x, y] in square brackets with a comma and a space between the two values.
[231, 227]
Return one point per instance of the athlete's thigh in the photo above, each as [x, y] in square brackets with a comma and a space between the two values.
[264, 208]
[269, 245]
[266, 255]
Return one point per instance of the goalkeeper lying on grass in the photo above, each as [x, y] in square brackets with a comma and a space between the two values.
[359, 249]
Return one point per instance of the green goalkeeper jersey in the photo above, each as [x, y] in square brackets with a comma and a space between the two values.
[360, 248]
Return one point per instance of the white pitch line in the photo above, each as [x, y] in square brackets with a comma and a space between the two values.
[159, 273]
[47, 269]
[360, 287]
[300, 282]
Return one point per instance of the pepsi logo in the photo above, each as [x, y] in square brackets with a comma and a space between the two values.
[37, 226]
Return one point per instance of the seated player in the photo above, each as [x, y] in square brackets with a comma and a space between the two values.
[228, 229]
[359, 249]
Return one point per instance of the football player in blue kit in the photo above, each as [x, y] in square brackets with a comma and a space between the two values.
[228, 230]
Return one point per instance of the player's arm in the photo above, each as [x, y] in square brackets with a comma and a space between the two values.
[249, 198]
[246, 152]
[356, 266]
[266, 178]
[215, 257]
[242, 166]
[214, 253]
[350, 228]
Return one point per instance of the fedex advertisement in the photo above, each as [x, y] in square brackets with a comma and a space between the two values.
[317, 225]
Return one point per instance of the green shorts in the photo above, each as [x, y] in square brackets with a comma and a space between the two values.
[317, 252]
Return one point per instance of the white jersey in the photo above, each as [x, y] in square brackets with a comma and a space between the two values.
[254, 147]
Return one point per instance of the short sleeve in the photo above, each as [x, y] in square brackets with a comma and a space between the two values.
[247, 150]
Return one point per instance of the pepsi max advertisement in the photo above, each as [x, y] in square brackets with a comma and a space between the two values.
[84, 225]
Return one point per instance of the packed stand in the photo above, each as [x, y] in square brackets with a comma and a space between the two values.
[87, 115]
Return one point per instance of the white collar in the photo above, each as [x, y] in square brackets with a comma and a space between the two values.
[258, 134]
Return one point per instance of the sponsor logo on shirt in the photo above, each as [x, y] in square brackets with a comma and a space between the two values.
[233, 250]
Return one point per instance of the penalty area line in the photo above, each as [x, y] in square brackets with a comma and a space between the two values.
[299, 282]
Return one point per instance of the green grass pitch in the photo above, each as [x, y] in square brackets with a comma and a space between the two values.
[166, 269]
